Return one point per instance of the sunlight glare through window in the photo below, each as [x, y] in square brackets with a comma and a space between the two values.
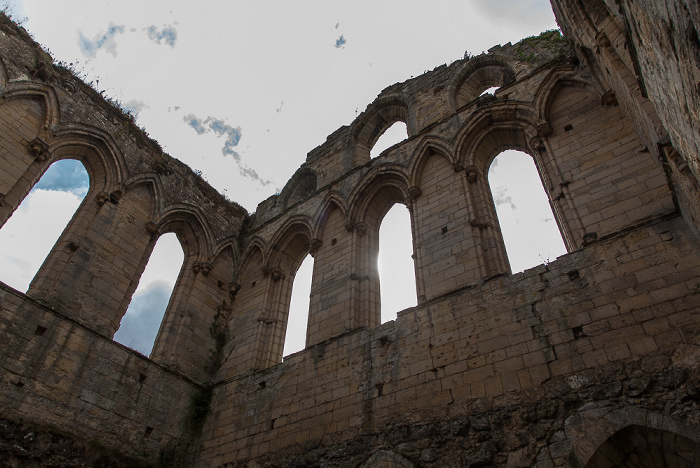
[295, 338]
[35, 226]
[141, 322]
[397, 275]
[530, 232]
[393, 135]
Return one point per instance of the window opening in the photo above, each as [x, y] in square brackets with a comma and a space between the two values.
[492, 90]
[397, 133]
[37, 223]
[397, 276]
[141, 322]
[298, 318]
[530, 232]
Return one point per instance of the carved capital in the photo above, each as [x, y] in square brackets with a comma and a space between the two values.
[537, 143]
[39, 149]
[152, 228]
[477, 224]
[204, 267]
[115, 196]
[276, 274]
[544, 129]
[414, 192]
[349, 226]
[314, 245]
[361, 229]
[102, 198]
[472, 174]
[457, 167]
[602, 40]
[609, 99]
[233, 289]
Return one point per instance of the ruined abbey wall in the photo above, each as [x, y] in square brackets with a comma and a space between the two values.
[560, 365]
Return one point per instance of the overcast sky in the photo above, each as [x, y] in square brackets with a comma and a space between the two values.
[241, 91]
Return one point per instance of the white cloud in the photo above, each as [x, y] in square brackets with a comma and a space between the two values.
[28, 236]
[168, 34]
[105, 40]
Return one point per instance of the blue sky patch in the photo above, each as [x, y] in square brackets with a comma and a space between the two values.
[67, 175]
[89, 47]
[168, 35]
[140, 325]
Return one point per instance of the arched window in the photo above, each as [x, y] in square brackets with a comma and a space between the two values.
[140, 324]
[529, 229]
[492, 90]
[32, 230]
[396, 269]
[391, 136]
[298, 318]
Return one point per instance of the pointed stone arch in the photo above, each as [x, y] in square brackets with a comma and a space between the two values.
[596, 433]
[480, 73]
[30, 89]
[302, 184]
[389, 181]
[369, 126]
[333, 200]
[550, 86]
[191, 227]
[428, 146]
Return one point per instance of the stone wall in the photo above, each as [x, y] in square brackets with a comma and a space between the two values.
[560, 365]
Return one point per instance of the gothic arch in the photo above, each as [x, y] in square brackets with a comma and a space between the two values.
[428, 146]
[256, 244]
[388, 181]
[3, 73]
[595, 435]
[302, 184]
[555, 81]
[188, 223]
[518, 120]
[332, 199]
[299, 225]
[373, 122]
[229, 242]
[480, 73]
[152, 180]
[30, 89]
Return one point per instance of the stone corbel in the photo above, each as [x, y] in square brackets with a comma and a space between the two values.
[276, 274]
[314, 245]
[39, 149]
[544, 129]
[457, 167]
[609, 99]
[361, 229]
[152, 228]
[472, 173]
[204, 267]
[349, 226]
[102, 198]
[414, 192]
[477, 224]
[233, 289]
[537, 144]
[602, 40]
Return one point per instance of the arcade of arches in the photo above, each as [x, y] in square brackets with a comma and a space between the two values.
[590, 359]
